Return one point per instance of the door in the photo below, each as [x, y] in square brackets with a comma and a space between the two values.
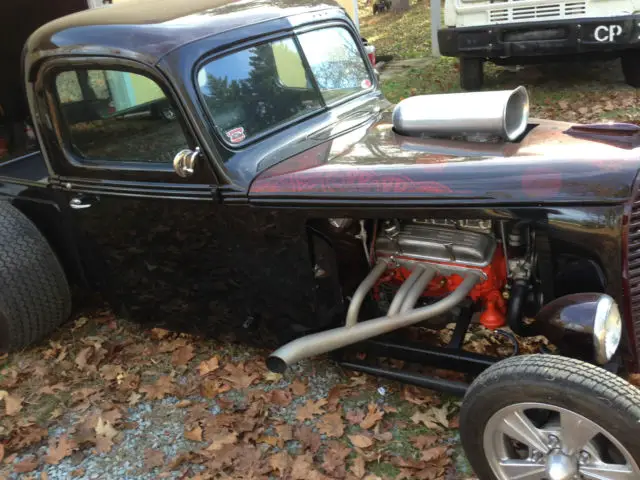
[158, 245]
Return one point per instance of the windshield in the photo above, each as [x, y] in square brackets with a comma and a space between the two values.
[254, 90]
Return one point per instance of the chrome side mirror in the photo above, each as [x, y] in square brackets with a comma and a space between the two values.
[184, 162]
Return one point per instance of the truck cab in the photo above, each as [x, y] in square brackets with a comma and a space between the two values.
[521, 32]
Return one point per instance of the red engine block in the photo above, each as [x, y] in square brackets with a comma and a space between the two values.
[489, 292]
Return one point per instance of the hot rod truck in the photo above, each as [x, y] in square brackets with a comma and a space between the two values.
[288, 191]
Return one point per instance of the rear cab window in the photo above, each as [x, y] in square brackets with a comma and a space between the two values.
[250, 92]
[115, 116]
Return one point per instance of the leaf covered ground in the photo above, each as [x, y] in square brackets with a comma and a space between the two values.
[106, 398]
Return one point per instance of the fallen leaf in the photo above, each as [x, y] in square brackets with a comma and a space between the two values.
[212, 387]
[159, 333]
[427, 419]
[285, 432]
[208, 366]
[182, 355]
[416, 395]
[111, 372]
[105, 429]
[280, 463]
[78, 472]
[272, 377]
[335, 395]
[194, 435]
[383, 437]
[358, 467]
[424, 441]
[309, 409]
[220, 439]
[373, 416]
[53, 389]
[434, 453]
[281, 398]
[440, 414]
[105, 433]
[60, 449]
[355, 416]
[331, 425]
[302, 467]
[82, 358]
[26, 436]
[12, 404]
[153, 458]
[184, 404]
[160, 389]
[112, 416]
[239, 377]
[134, 398]
[308, 438]
[334, 458]
[360, 441]
[28, 464]
[298, 388]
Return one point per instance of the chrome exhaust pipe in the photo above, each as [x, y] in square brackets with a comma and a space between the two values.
[404, 290]
[504, 113]
[334, 339]
[416, 292]
[361, 292]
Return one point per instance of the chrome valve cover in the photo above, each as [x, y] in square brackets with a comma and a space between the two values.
[438, 244]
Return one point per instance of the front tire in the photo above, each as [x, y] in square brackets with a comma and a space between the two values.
[471, 73]
[34, 293]
[631, 67]
[544, 416]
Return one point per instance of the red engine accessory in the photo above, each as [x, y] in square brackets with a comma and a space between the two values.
[489, 292]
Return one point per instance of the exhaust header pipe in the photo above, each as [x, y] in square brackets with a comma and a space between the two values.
[327, 341]
[504, 113]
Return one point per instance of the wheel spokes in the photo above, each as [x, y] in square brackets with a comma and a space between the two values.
[576, 432]
[517, 426]
[522, 470]
[608, 472]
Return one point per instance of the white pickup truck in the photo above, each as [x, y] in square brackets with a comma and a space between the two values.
[518, 32]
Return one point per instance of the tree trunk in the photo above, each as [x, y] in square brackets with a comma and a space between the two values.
[399, 6]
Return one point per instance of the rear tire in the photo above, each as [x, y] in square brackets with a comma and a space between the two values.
[34, 293]
[471, 73]
[563, 390]
[631, 67]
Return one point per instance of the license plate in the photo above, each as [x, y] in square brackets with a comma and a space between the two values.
[605, 33]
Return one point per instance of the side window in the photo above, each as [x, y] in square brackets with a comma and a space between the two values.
[118, 116]
[336, 62]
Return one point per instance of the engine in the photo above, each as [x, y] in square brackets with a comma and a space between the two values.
[449, 249]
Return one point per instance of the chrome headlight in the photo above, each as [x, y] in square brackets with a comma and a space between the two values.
[607, 329]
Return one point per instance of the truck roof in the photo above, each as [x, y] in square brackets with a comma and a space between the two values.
[150, 29]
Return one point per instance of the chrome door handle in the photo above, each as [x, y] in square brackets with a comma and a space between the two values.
[80, 202]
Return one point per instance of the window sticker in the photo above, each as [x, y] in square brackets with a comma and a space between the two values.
[236, 135]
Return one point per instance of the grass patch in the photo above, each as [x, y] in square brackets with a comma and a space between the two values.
[383, 469]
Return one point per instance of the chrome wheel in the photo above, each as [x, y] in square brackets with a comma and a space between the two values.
[537, 441]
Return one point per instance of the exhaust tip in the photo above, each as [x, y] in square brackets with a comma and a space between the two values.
[276, 364]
